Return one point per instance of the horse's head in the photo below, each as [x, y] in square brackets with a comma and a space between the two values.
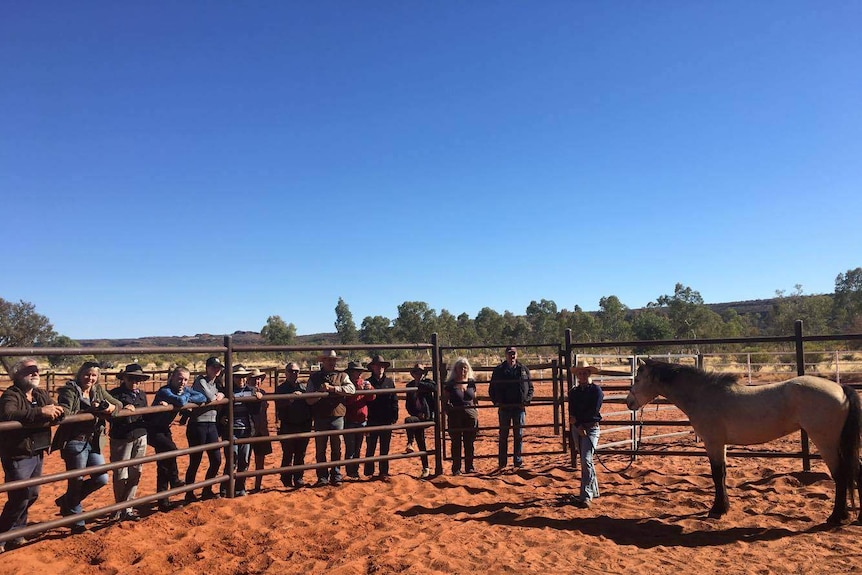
[644, 388]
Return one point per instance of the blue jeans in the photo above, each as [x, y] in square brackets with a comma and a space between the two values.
[513, 417]
[241, 457]
[333, 474]
[14, 514]
[78, 455]
[353, 446]
[586, 447]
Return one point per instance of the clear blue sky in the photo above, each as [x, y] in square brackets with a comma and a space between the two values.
[172, 168]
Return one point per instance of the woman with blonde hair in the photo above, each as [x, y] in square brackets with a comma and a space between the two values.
[460, 396]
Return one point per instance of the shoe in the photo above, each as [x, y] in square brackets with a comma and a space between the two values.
[299, 483]
[335, 482]
[165, 505]
[456, 472]
[369, 470]
[354, 476]
[470, 470]
[241, 493]
[409, 448]
[321, 483]
[426, 472]
[16, 543]
[178, 483]
[582, 503]
[383, 477]
[64, 508]
[519, 465]
[131, 515]
[209, 494]
[80, 529]
[190, 498]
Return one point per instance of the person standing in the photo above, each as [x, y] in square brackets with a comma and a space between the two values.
[174, 393]
[242, 425]
[128, 438]
[81, 444]
[328, 413]
[421, 407]
[382, 411]
[356, 417]
[294, 416]
[585, 404]
[511, 390]
[23, 450]
[202, 428]
[460, 397]
[260, 424]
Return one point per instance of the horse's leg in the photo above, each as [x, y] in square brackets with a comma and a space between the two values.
[718, 466]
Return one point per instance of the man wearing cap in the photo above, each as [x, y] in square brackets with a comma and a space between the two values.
[328, 413]
[356, 417]
[511, 390]
[382, 411]
[128, 437]
[176, 394]
[421, 407]
[202, 428]
[585, 404]
[294, 416]
[22, 450]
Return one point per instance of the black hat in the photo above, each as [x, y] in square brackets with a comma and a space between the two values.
[214, 361]
[134, 371]
[354, 366]
[378, 360]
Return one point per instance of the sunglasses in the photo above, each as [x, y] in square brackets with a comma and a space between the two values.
[30, 370]
[293, 371]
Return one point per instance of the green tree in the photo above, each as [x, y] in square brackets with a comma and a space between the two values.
[376, 330]
[56, 361]
[447, 328]
[847, 304]
[516, 328]
[613, 325]
[649, 325]
[689, 317]
[277, 332]
[22, 326]
[489, 326]
[583, 325]
[344, 323]
[542, 318]
[466, 334]
[815, 312]
[415, 322]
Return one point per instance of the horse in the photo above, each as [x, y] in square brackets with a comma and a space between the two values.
[723, 411]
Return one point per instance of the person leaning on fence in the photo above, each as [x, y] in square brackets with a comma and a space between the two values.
[202, 429]
[460, 397]
[260, 421]
[23, 450]
[81, 444]
[356, 417]
[511, 390]
[294, 416]
[585, 404]
[382, 411]
[421, 407]
[328, 413]
[174, 393]
[128, 438]
[242, 425]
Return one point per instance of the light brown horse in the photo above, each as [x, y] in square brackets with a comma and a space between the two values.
[724, 412]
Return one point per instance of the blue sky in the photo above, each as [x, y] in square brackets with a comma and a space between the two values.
[172, 168]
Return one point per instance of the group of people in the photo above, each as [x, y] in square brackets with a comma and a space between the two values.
[338, 403]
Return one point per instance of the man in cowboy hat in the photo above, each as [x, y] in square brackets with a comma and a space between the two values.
[511, 390]
[242, 425]
[328, 413]
[202, 428]
[585, 404]
[128, 437]
[382, 411]
[294, 416]
[421, 406]
[260, 421]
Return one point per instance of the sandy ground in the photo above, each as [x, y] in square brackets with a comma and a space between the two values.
[651, 518]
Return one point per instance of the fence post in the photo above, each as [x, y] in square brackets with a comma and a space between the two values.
[800, 370]
[436, 361]
[230, 464]
[567, 364]
[555, 392]
[633, 414]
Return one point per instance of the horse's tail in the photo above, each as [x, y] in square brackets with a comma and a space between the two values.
[849, 446]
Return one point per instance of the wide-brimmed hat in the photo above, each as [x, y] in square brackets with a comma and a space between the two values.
[378, 360]
[419, 367]
[331, 354]
[255, 373]
[354, 366]
[583, 365]
[239, 369]
[134, 371]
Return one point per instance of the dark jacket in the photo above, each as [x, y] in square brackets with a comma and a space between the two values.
[296, 414]
[14, 406]
[421, 403]
[585, 404]
[71, 399]
[511, 386]
[161, 422]
[384, 409]
[133, 426]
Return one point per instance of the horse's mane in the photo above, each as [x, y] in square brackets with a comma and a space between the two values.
[667, 372]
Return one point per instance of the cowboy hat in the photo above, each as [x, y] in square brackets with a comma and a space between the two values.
[240, 370]
[134, 371]
[583, 365]
[331, 354]
[419, 367]
[378, 360]
[354, 366]
[255, 373]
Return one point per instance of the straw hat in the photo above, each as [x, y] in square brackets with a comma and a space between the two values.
[583, 365]
[239, 370]
[331, 354]
[255, 373]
